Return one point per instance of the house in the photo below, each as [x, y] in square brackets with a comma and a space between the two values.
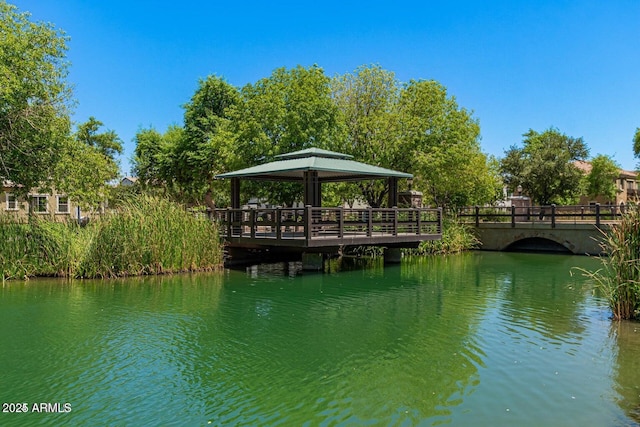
[626, 183]
[43, 202]
[128, 181]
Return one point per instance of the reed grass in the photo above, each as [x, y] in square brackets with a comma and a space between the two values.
[619, 278]
[456, 238]
[149, 235]
[145, 235]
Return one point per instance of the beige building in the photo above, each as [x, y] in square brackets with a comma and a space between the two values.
[43, 202]
[626, 183]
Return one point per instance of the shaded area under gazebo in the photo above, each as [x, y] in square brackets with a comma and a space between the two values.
[315, 228]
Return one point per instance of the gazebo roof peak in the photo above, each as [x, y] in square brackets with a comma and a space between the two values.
[313, 152]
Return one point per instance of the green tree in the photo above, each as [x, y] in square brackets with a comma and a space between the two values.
[88, 164]
[544, 166]
[83, 173]
[601, 180]
[106, 143]
[155, 160]
[441, 147]
[368, 101]
[207, 145]
[146, 162]
[34, 99]
[290, 110]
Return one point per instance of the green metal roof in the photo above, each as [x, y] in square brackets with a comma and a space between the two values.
[331, 166]
[318, 152]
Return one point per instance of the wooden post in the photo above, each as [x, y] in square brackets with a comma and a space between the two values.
[477, 216]
[341, 222]
[252, 221]
[419, 221]
[307, 222]
[278, 226]
[598, 215]
[553, 216]
[235, 193]
[513, 216]
[440, 220]
[229, 221]
[393, 191]
[369, 222]
[395, 220]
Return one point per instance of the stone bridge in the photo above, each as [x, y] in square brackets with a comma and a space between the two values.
[579, 239]
[570, 229]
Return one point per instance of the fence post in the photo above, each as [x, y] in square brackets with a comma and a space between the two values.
[439, 220]
[553, 216]
[598, 215]
[582, 213]
[369, 222]
[513, 216]
[278, 225]
[419, 221]
[341, 222]
[477, 216]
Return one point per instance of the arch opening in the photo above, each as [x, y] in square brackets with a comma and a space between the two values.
[537, 244]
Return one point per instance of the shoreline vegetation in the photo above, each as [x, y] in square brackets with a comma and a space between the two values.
[618, 280]
[144, 235]
[456, 238]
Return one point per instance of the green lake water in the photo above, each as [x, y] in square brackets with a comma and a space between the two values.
[479, 339]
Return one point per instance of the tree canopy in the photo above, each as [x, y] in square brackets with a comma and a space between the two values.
[544, 167]
[34, 99]
[601, 179]
[414, 127]
[87, 164]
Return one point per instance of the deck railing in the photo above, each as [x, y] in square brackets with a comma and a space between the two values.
[327, 223]
[590, 214]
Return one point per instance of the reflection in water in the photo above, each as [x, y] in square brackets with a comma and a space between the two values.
[627, 366]
[472, 339]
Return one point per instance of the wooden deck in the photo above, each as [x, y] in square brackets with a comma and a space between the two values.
[319, 227]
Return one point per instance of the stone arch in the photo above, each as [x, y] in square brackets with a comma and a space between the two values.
[539, 244]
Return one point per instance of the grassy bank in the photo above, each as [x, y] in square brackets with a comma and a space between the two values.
[144, 235]
[619, 278]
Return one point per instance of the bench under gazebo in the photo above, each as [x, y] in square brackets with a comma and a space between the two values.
[314, 228]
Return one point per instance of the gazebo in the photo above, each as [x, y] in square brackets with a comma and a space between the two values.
[315, 228]
[312, 167]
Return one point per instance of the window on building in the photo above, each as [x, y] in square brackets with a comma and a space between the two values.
[39, 204]
[12, 202]
[63, 204]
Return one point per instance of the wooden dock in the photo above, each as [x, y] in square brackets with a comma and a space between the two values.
[325, 229]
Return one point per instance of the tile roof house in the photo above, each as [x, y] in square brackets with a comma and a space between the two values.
[626, 183]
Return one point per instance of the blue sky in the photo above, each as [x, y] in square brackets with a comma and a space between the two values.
[518, 65]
